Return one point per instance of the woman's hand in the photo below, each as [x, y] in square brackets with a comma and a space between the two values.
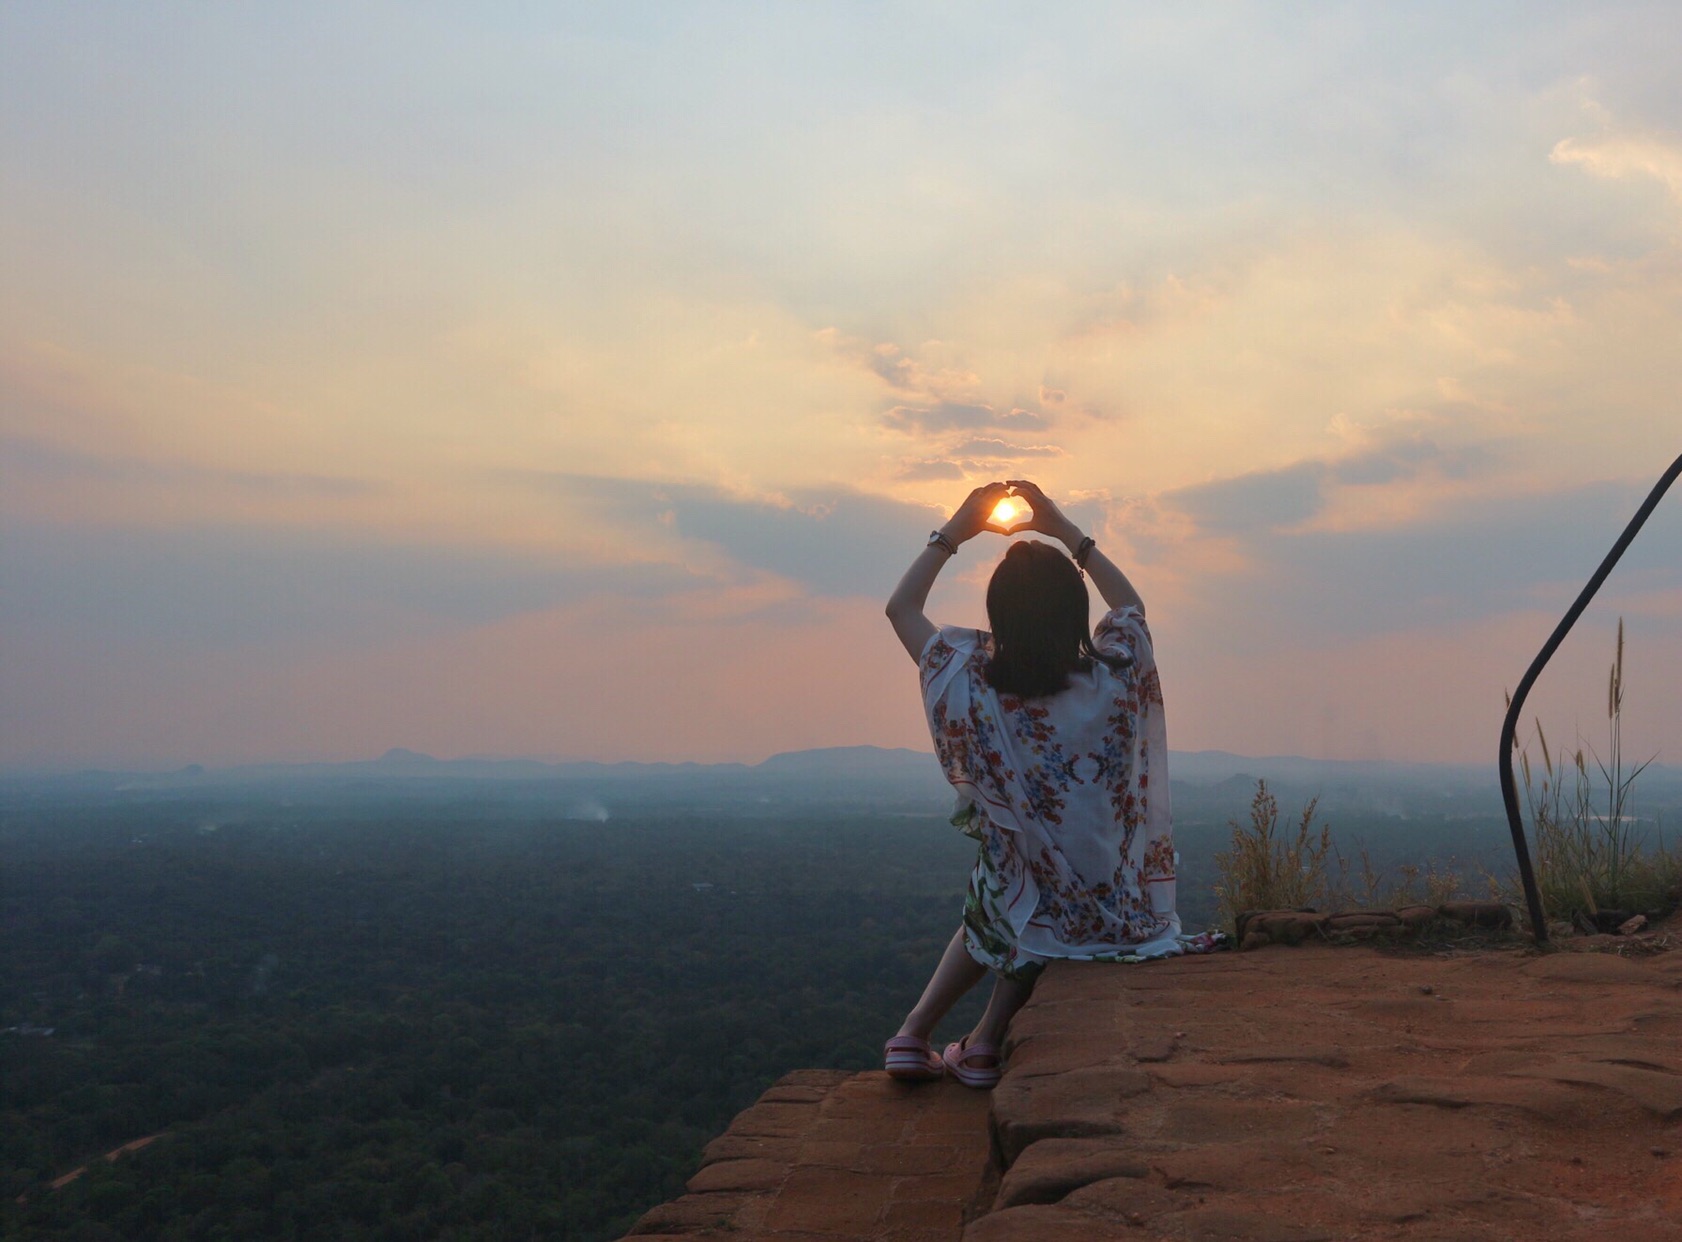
[1047, 518]
[976, 514]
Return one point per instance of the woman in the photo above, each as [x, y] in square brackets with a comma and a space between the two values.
[1054, 738]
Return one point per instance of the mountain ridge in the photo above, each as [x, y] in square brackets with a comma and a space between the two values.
[822, 769]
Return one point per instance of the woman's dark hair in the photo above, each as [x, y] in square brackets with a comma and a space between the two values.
[1037, 607]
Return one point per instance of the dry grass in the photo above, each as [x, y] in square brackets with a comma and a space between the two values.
[1298, 867]
[1411, 885]
[1591, 854]
[1266, 869]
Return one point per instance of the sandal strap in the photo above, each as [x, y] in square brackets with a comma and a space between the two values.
[906, 1043]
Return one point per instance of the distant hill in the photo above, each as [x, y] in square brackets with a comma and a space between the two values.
[852, 775]
[834, 760]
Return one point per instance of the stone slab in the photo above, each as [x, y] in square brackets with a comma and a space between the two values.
[1051, 1168]
[688, 1214]
[739, 1175]
[1047, 1223]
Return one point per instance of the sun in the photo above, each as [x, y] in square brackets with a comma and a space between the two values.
[1007, 511]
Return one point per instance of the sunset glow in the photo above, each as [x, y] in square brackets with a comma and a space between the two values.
[527, 381]
[1008, 511]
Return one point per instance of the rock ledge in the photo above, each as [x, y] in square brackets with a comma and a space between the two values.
[1325, 1093]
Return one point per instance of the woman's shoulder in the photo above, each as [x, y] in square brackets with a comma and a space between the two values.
[948, 641]
[952, 649]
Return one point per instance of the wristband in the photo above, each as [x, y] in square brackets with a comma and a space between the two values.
[938, 539]
[1083, 551]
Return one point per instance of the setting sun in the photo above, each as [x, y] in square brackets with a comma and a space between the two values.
[1008, 511]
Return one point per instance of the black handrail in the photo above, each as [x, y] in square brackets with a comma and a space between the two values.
[1509, 726]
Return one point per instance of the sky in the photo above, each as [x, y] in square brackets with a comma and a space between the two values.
[575, 381]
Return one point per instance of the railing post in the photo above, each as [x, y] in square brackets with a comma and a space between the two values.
[1509, 726]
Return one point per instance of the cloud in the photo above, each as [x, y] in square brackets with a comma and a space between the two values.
[940, 392]
[1256, 501]
[1478, 557]
[1409, 535]
[934, 374]
[1300, 492]
[231, 586]
[1620, 156]
[931, 469]
[835, 541]
[983, 459]
[20, 455]
[1002, 450]
[1470, 557]
[955, 416]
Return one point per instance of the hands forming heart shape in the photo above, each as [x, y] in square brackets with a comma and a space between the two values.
[1010, 508]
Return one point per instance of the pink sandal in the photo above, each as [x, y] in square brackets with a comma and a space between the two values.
[910, 1059]
[982, 1077]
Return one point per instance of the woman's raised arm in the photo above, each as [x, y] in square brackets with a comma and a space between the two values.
[1112, 584]
[905, 605]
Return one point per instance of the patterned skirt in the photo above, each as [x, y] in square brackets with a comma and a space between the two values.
[989, 934]
[999, 877]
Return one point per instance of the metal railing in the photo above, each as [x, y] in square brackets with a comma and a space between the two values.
[1509, 726]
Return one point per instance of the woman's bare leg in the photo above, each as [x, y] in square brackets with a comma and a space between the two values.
[1009, 995]
[957, 973]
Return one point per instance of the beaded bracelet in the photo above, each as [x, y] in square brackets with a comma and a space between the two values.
[1083, 551]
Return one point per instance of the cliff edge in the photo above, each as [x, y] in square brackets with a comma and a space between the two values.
[1318, 1094]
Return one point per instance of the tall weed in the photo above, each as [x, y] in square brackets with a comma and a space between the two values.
[1269, 869]
[1589, 859]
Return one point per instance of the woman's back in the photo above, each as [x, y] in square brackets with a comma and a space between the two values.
[1078, 777]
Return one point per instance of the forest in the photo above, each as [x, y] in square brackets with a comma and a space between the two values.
[470, 1009]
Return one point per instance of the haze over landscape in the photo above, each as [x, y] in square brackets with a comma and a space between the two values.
[575, 383]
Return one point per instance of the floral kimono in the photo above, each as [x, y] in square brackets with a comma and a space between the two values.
[1068, 796]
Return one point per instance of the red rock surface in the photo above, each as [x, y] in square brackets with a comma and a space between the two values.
[826, 1155]
[1286, 1095]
